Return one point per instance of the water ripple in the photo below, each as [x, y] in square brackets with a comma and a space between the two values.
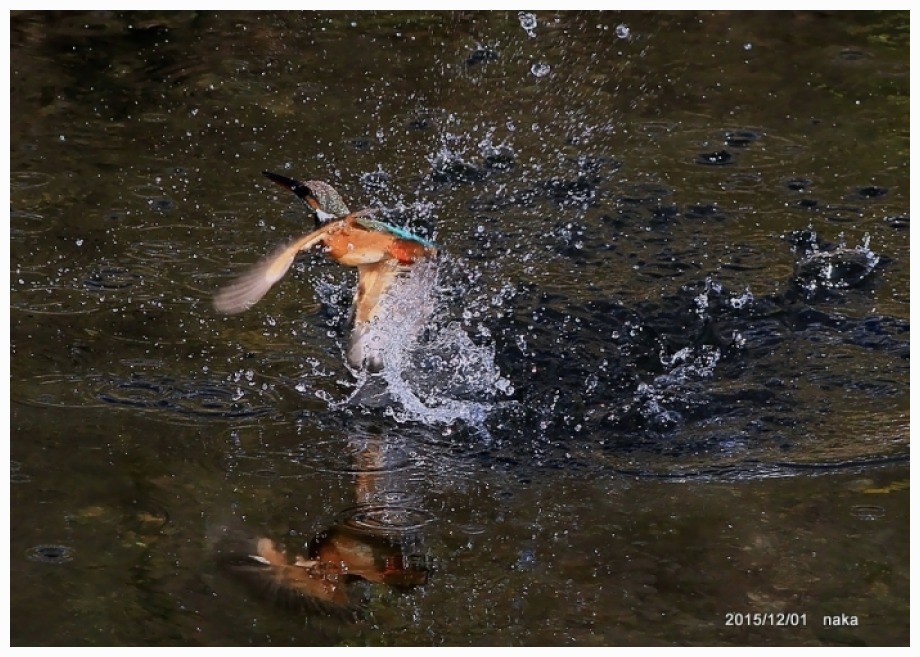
[54, 554]
[25, 224]
[23, 180]
[197, 399]
[396, 515]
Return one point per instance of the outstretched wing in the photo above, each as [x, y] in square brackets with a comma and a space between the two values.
[255, 283]
[296, 583]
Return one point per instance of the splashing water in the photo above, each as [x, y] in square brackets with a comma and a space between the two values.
[837, 267]
[431, 374]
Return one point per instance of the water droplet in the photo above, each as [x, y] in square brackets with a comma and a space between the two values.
[528, 22]
[748, 46]
[540, 70]
[622, 31]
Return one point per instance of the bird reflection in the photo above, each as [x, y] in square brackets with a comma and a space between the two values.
[378, 541]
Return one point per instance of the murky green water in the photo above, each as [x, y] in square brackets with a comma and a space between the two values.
[652, 404]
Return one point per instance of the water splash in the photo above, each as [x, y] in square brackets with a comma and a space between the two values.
[433, 372]
[540, 70]
[834, 268]
[664, 402]
[460, 159]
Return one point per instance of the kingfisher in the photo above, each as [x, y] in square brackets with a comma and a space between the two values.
[381, 252]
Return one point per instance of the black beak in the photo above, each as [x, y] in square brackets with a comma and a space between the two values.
[301, 189]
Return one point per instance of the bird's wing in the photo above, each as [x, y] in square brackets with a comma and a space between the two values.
[255, 283]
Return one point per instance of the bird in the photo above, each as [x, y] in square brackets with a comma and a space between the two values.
[381, 252]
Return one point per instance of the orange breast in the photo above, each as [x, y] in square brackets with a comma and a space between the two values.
[353, 246]
[406, 251]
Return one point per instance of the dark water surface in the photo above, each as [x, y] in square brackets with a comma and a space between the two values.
[664, 398]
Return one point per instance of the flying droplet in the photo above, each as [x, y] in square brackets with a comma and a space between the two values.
[540, 70]
[528, 22]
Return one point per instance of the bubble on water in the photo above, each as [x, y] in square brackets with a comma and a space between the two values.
[540, 70]
[622, 31]
[528, 22]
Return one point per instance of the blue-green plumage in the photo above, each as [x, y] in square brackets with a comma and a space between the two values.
[374, 224]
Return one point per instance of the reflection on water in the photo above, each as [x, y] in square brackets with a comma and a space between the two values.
[378, 540]
[674, 284]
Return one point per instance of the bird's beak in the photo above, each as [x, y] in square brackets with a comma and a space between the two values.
[303, 192]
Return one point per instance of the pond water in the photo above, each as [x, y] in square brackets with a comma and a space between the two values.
[663, 397]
